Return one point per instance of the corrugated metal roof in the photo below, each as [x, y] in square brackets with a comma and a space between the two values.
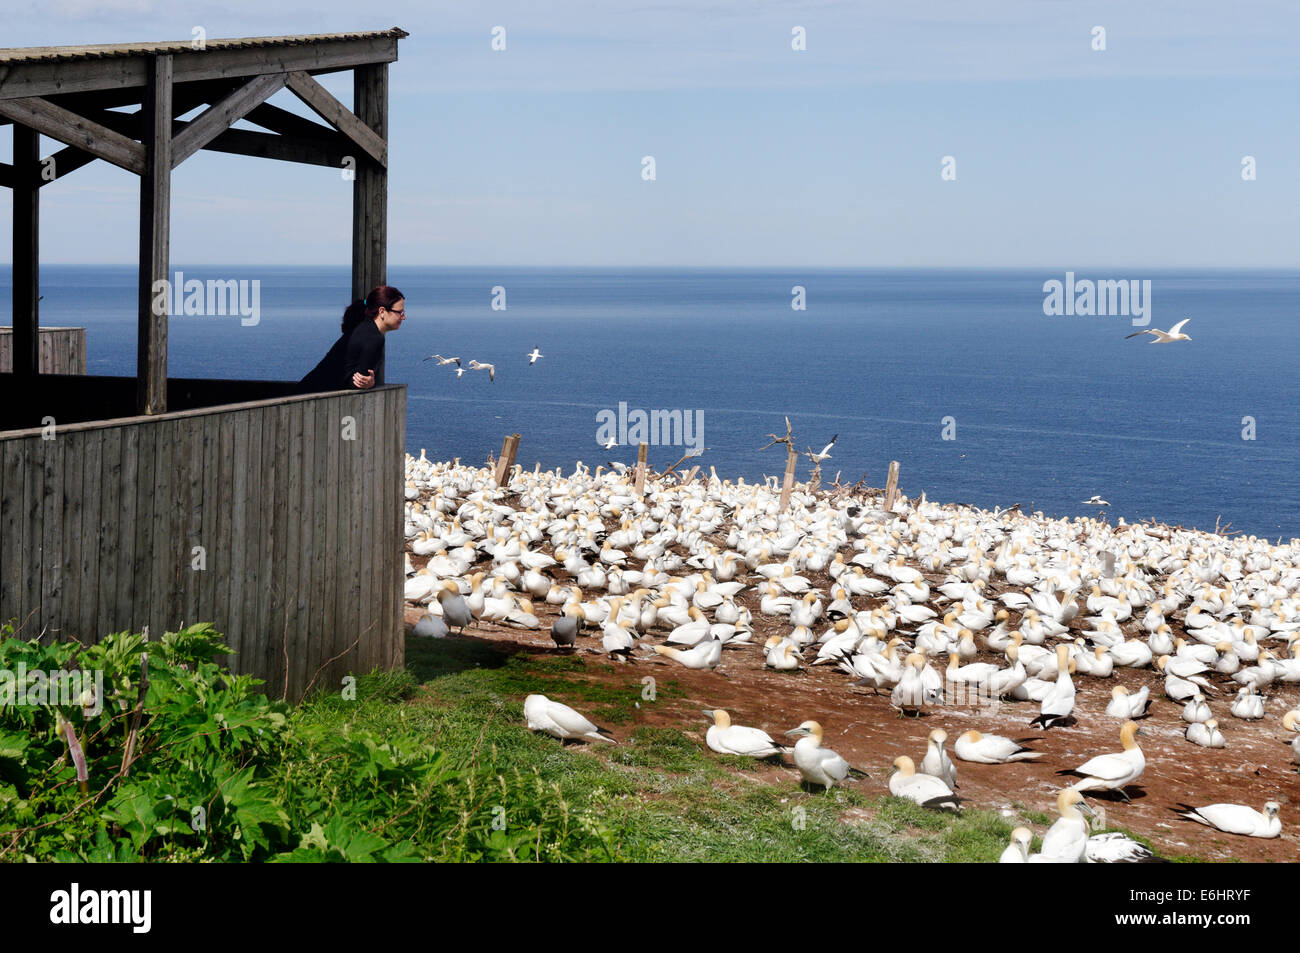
[37, 54]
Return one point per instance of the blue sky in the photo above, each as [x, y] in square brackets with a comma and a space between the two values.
[1066, 157]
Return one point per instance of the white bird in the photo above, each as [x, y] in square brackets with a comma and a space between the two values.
[455, 611]
[991, 749]
[1111, 772]
[1095, 501]
[443, 360]
[1197, 710]
[936, 762]
[490, 368]
[1126, 705]
[560, 721]
[1113, 847]
[726, 738]
[1248, 705]
[705, 655]
[825, 453]
[1164, 337]
[1236, 818]
[923, 789]
[818, 765]
[1058, 705]
[1066, 841]
[1206, 734]
[1017, 852]
[534, 355]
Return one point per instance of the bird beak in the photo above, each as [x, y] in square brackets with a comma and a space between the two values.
[796, 732]
[709, 713]
[1083, 806]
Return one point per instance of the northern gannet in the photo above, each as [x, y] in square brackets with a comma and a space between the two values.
[1236, 818]
[560, 721]
[1206, 734]
[936, 762]
[1127, 705]
[1057, 706]
[441, 361]
[991, 749]
[1116, 848]
[726, 738]
[455, 611]
[1164, 337]
[1017, 852]
[1066, 841]
[923, 789]
[818, 765]
[1112, 772]
[534, 355]
[490, 368]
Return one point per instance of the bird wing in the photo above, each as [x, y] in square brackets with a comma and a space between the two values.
[1230, 818]
[1179, 326]
[1107, 767]
[1136, 333]
[570, 720]
[749, 741]
[835, 766]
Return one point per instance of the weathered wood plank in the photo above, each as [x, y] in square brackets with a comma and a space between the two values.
[370, 187]
[351, 566]
[323, 104]
[364, 619]
[81, 606]
[113, 525]
[241, 640]
[223, 114]
[162, 551]
[73, 130]
[25, 355]
[332, 625]
[274, 568]
[12, 529]
[256, 634]
[133, 527]
[52, 515]
[292, 626]
[210, 441]
[321, 565]
[192, 578]
[33, 464]
[220, 563]
[155, 240]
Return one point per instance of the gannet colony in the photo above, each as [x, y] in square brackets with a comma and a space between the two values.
[929, 608]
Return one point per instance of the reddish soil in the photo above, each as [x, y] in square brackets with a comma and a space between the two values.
[1254, 767]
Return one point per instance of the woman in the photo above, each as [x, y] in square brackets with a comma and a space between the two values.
[356, 361]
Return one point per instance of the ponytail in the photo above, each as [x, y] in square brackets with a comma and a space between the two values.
[381, 296]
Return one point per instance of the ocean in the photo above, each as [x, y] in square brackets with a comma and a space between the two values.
[959, 375]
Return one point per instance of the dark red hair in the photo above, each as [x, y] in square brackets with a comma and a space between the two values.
[367, 308]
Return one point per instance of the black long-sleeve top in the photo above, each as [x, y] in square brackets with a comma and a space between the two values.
[357, 352]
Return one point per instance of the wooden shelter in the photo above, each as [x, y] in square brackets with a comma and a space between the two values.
[127, 502]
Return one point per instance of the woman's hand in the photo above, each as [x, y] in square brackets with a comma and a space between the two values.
[364, 381]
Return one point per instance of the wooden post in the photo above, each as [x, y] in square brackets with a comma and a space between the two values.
[370, 188]
[26, 252]
[891, 486]
[641, 452]
[155, 238]
[691, 475]
[791, 461]
[507, 459]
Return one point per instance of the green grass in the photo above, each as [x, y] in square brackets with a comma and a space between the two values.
[661, 795]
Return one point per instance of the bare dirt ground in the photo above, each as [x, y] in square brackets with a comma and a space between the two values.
[1254, 767]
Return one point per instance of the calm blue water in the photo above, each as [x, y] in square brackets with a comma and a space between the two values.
[1048, 410]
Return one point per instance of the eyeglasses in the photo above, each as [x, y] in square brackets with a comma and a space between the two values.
[395, 311]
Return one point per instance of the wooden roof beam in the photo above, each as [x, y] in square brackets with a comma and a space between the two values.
[220, 116]
[73, 130]
[339, 116]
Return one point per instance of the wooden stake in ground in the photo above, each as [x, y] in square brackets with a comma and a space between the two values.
[891, 486]
[508, 448]
[641, 452]
[690, 475]
[791, 461]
